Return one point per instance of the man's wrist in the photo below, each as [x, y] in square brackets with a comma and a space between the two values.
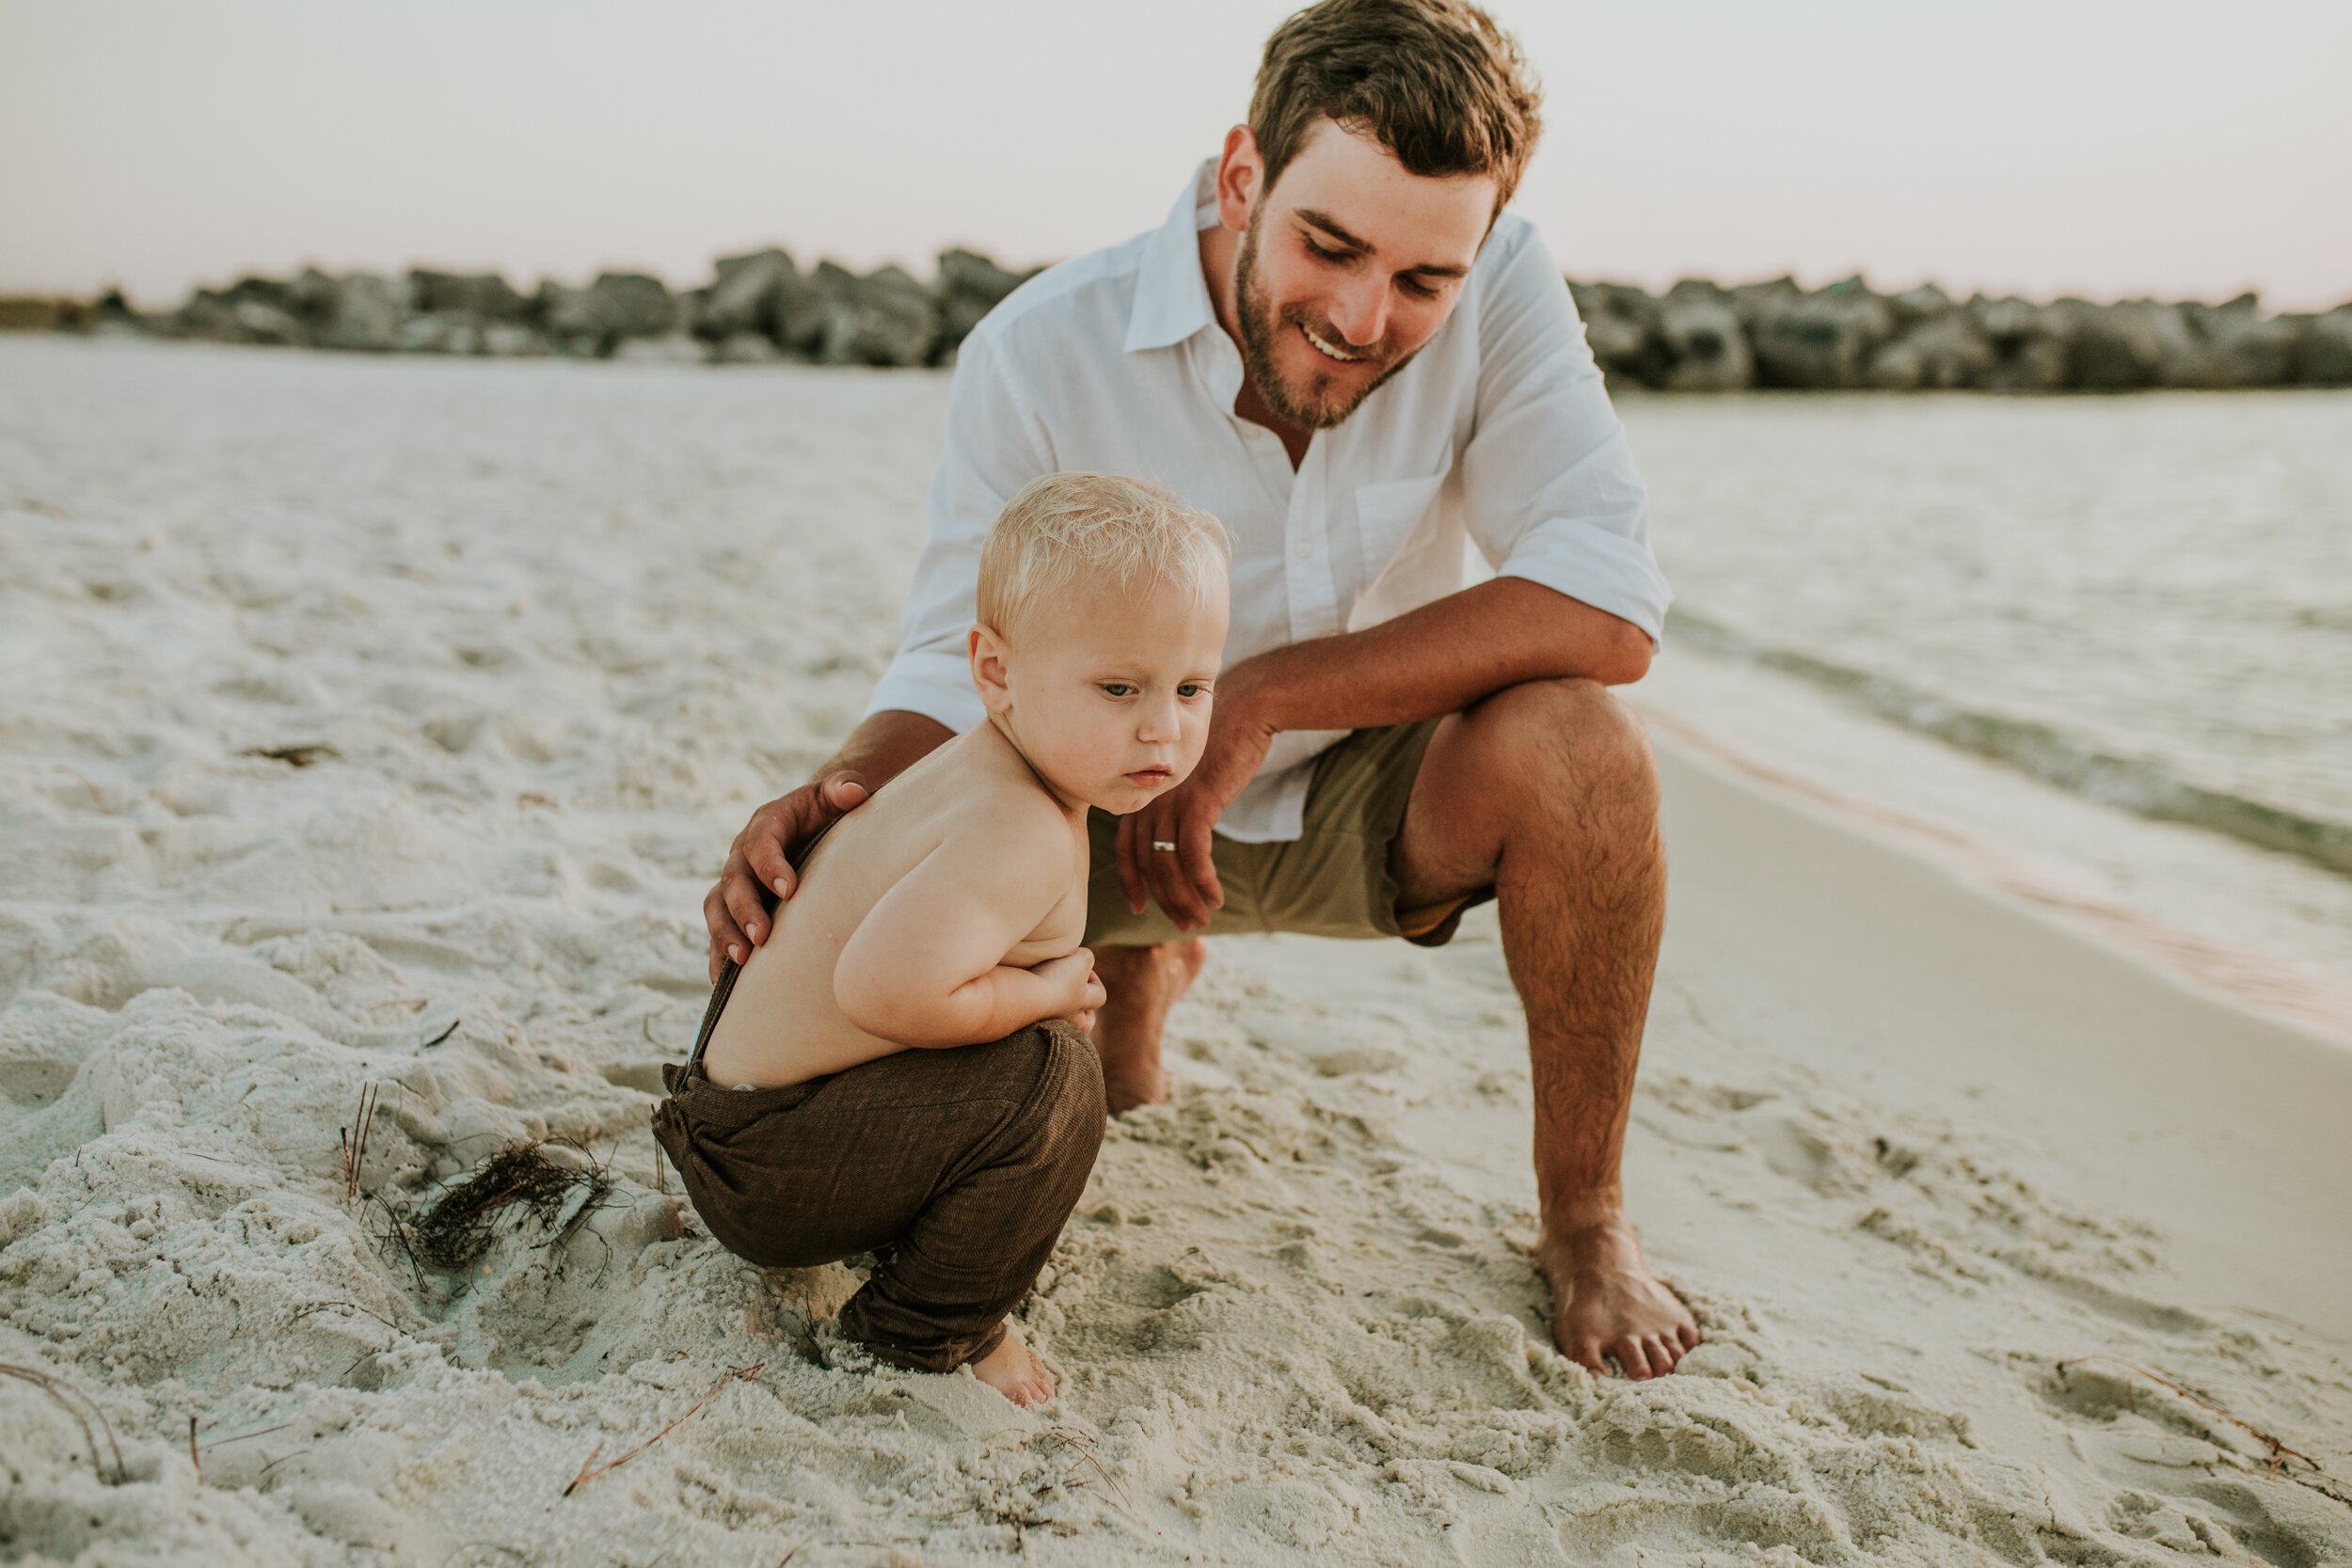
[1246, 699]
[885, 745]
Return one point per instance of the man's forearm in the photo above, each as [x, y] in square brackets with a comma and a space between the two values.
[1436, 659]
[886, 745]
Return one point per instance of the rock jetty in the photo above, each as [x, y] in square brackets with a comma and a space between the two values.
[1703, 337]
[758, 308]
[1697, 337]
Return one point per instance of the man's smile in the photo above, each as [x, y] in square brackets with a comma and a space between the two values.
[1328, 350]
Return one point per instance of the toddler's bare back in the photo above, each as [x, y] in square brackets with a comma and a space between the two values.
[783, 1023]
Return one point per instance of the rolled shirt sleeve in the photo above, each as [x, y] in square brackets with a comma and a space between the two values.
[1549, 490]
[994, 447]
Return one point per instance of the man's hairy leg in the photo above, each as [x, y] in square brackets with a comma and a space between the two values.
[1139, 984]
[1546, 791]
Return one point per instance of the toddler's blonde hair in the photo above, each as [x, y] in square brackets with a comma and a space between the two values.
[1066, 526]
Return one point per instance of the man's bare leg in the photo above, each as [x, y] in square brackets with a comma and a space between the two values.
[1139, 985]
[1547, 792]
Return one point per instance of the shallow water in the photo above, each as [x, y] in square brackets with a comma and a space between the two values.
[2140, 602]
[2146, 600]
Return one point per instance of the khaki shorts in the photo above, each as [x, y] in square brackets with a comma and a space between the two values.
[1333, 881]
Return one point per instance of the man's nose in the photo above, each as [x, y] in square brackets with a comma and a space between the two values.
[1361, 313]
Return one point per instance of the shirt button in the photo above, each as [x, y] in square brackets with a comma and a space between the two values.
[1304, 550]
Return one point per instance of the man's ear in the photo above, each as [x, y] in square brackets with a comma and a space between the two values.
[989, 649]
[1239, 172]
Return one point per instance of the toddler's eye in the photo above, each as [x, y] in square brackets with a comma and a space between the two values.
[1191, 689]
[1118, 689]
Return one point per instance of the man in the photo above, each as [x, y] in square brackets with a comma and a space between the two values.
[1341, 345]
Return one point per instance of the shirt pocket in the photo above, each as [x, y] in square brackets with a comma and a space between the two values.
[1386, 513]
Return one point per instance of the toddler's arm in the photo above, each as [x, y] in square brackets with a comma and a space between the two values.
[925, 966]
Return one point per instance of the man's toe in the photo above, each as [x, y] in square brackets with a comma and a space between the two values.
[1662, 1355]
[1630, 1357]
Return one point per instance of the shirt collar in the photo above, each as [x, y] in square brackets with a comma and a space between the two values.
[1171, 297]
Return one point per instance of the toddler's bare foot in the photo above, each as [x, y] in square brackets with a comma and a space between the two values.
[1014, 1372]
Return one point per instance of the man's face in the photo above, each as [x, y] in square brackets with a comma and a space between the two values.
[1348, 265]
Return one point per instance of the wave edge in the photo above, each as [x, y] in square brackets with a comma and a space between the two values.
[2140, 785]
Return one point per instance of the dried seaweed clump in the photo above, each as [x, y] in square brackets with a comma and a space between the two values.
[519, 1183]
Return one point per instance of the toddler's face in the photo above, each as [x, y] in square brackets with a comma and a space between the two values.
[1108, 691]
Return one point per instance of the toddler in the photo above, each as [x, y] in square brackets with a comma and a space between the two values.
[901, 1067]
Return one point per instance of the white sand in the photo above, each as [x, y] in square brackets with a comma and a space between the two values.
[1937, 1175]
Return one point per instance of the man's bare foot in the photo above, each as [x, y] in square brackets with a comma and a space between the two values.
[1013, 1371]
[1606, 1302]
[1140, 985]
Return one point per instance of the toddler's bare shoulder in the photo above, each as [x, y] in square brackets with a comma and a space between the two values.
[1011, 823]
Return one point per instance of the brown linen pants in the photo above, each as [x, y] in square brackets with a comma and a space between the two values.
[956, 1168]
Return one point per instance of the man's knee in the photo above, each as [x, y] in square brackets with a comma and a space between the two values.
[1570, 734]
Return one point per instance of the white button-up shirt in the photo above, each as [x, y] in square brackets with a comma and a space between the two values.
[1496, 436]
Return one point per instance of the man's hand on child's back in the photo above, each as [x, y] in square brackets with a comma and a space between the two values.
[737, 910]
[759, 865]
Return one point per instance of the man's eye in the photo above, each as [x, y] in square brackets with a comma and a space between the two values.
[1418, 289]
[1118, 689]
[1323, 255]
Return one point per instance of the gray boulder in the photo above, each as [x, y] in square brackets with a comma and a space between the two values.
[564, 312]
[440, 332]
[762, 292]
[258, 322]
[2129, 345]
[2239, 346]
[1940, 352]
[883, 318]
[738, 301]
[797, 315]
[1621, 329]
[1818, 340]
[634, 304]
[514, 340]
[1702, 345]
[2032, 344]
[314, 294]
[616, 307]
[1914, 306]
[251, 310]
[671, 348]
[745, 348]
[275, 294]
[1751, 300]
[970, 286]
[482, 294]
[2324, 352]
[200, 315]
[240, 314]
[363, 313]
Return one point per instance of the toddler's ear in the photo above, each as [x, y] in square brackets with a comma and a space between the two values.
[989, 674]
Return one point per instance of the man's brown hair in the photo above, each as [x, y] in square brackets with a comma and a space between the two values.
[1436, 82]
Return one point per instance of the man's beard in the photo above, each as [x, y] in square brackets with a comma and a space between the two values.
[1314, 408]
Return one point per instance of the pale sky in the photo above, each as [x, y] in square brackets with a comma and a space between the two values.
[2095, 147]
